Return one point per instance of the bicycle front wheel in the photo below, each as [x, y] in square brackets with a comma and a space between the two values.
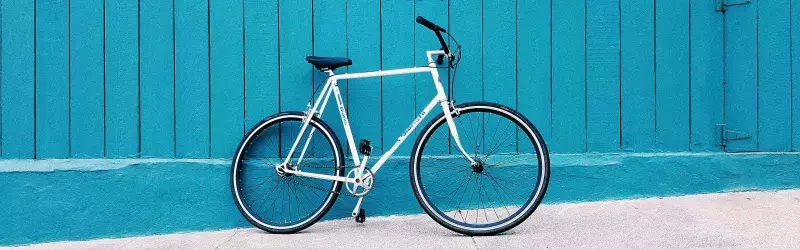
[496, 193]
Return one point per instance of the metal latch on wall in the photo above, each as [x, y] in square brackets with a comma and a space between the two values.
[724, 135]
[722, 4]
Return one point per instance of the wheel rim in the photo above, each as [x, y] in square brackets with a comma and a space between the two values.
[273, 199]
[501, 189]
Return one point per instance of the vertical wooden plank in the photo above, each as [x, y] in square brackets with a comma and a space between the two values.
[795, 64]
[227, 77]
[499, 45]
[122, 78]
[330, 40]
[774, 76]
[156, 76]
[533, 63]
[397, 26]
[672, 75]
[740, 75]
[638, 74]
[499, 64]
[86, 79]
[261, 64]
[17, 80]
[425, 40]
[569, 78]
[192, 113]
[466, 26]
[707, 64]
[52, 79]
[295, 35]
[603, 76]
[364, 48]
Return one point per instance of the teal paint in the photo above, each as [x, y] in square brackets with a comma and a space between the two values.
[499, 65]
[672, 75]
[17, 80]
[330, 39]
[533, 70]
[795, 54]
[396, 28]
[569, 77]
[227, 77]
[87, 96]
[295, 34]
[52, 79]
[156, 76]
[261, 66]
[364, 95]
[122, 79]
[707, 75]
[603, 76]
[425, 40]
[741, 88]
[77, 92]
[637, 76]
[89, 199]
[774, 76]
[192, 113]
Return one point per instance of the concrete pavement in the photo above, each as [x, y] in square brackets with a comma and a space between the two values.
[768, 220]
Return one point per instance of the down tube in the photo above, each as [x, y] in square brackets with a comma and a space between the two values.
[408, 131]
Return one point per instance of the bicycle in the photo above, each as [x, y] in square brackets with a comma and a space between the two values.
[270, 180]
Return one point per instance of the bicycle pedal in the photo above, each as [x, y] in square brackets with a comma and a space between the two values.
[364, 148]
[361, 216]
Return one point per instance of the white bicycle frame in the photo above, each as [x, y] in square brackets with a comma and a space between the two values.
[331, 87]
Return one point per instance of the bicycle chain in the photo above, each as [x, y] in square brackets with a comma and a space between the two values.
[322, 189]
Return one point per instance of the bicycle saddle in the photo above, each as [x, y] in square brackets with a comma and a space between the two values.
[328, 63]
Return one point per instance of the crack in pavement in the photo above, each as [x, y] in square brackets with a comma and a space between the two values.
[227, 240]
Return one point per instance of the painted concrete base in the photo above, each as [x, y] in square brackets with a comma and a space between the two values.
[56, 200]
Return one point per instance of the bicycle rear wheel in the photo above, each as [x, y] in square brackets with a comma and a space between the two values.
[496, 194]
[276, 201]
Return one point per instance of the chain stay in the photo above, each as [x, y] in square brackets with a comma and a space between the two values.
[323, 189]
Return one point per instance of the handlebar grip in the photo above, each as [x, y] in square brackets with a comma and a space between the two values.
[429, 24]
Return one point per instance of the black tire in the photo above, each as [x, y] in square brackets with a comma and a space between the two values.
[513, 165]
[292, 185]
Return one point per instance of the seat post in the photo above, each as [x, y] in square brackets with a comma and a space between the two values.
[330, 72]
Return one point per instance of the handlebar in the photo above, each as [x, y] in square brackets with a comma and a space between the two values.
[438, 30]
[429, 24]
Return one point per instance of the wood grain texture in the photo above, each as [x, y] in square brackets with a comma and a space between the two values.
[122, 79]
[52, 80]
[569, 77]
[17, 80]
[741, 87]
[672, 75]
[637, 77]
[707, 75]
[227, 76]
[156, 76]
[603, 76]
[186, 79]
[774, 76]
[192, 112]
[87, 86]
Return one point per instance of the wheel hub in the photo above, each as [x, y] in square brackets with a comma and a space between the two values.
[478, 166]
[281, 170]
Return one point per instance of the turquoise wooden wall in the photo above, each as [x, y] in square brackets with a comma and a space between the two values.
[186, 78]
